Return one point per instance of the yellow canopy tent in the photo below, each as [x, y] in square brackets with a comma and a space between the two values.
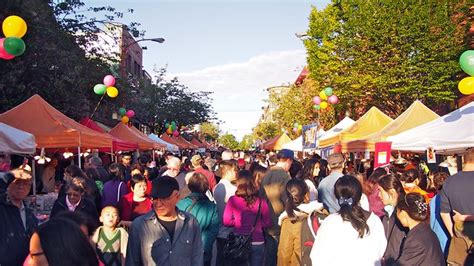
[276, 143]
[371, 122]
[417, 114]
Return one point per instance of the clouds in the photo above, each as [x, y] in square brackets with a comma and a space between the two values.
[239, 88]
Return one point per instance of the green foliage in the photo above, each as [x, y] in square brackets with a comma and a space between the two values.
[228, 140]
[210, 131]
[246, 143]
[386, 53]
[171, 101]
[266, 130]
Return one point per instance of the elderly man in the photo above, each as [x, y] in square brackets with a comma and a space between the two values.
[17, 221]
[96, 163]
[165, 235]
[196, 163]
[173, 169]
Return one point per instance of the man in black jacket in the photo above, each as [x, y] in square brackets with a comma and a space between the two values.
[17, 221]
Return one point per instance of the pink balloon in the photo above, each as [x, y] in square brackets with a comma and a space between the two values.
[333, 99]
[3, 53]
[109, 81]
[176, 133]
[317, 100]
[130, 113]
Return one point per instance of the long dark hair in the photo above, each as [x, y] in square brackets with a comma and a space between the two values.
[64, 243]
[390, 181]
[296, 191]
[246, 187]
[308, 169]
[116, 172]
[348, 191]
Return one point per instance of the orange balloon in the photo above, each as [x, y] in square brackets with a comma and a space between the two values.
[125, 119]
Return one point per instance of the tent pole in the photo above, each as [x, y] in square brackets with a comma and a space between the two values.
[112, 153]
[33, 170]
[153, 154]
[79, 156]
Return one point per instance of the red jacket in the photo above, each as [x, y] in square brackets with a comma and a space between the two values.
[210, 177]
[125, 206]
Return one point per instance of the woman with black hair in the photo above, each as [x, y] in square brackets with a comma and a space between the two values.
[310, 175]
[60, 242]
[115, 188]
[421, 245]
[352, 236]
[390, 192]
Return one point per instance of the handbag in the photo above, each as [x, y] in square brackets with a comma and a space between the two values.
[237, 247]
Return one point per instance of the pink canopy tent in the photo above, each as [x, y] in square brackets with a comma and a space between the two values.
[117, 143]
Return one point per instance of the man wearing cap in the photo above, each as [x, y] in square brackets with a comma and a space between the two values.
[165, 235]
[273, 188]
[196, 162]
[326, 187]
[17, 221]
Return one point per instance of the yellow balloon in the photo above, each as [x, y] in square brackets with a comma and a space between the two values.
[14, 26]
[112, 92]
[466, 85]
[125, 119]
[323, 95]
[323, 105]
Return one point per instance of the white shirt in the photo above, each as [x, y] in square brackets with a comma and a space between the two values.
[313, 191]
[222, 192]
[338, 243]
[70, 206]
[305, 208]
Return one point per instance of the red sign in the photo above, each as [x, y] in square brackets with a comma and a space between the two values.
[382, 153]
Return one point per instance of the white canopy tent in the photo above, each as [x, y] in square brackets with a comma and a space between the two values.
[169, 146]
[16, 141]
[451, 133]
[338, 128]
[297, 144]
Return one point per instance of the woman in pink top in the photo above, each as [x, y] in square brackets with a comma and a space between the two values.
[241, 211]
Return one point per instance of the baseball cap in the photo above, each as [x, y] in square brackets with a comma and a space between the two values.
[196, 160]
[335, 159]
[163, 187]
[285, 153]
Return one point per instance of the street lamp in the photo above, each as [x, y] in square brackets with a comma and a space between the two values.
[125, 52]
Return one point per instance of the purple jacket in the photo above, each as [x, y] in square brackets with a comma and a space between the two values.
[242, 217]
[111, 194]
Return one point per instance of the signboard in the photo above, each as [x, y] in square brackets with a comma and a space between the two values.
[430, 155]
[310, 136]
[382, 153]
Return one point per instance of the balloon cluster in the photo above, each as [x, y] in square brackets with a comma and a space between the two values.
[126, 115]
[172, 129]
[325, 98]
[107, 86]
[283, 130]
[297, 127]
[14, 28]
[466, 85]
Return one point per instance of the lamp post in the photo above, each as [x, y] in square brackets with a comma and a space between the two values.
[124, 53]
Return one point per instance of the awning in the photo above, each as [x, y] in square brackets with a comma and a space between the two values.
[16, 141]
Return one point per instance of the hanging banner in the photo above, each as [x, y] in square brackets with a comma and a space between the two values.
[430, 155]
[382, 153]
[310, 136]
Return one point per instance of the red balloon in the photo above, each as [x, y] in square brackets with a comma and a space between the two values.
[3, 53]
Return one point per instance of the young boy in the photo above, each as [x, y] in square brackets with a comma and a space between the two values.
[111, 241]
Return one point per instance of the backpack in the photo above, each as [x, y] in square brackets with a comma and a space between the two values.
[309, 228]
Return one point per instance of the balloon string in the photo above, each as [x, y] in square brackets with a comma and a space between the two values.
[97, 106]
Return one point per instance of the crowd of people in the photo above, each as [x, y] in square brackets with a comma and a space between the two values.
[239, 208]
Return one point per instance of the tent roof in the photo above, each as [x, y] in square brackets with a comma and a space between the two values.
[276, 143]
[188, 144]
[13, 140]
[122, 131]
[295, 145]
[169, 146]
[143, 135]
[453, 132]
[172, 140]
[417, 114]
[51, 128]
[118, 144]
[197, 143]
[337, 129]
[370, 122]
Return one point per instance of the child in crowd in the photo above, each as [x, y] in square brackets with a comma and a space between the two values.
[110, 240]
[411, 181]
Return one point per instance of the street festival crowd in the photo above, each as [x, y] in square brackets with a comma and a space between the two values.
[238, 208]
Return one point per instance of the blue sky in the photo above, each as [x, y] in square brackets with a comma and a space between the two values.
[234, 48]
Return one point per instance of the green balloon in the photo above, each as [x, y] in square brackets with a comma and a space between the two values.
[466, 61]
[14, 46]
[316, 107]
[100, 89]
[328, 91]
[122, 111]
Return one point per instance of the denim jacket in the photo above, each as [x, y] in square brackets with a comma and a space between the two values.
[149, 242]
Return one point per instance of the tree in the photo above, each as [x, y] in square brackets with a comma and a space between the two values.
[246, 143]
[265, 130]
[54, 64]
[228, 140]
[168, 100]
[386, 54]
[209, 131]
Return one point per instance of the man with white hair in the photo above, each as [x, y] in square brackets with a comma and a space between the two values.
[173, 166]
[96, 163]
